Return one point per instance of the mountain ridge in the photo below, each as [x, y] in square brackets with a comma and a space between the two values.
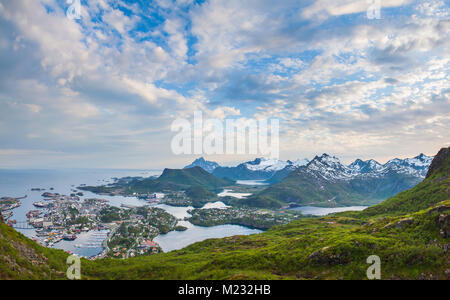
[275, 170]
[208, 166]
[325, 181]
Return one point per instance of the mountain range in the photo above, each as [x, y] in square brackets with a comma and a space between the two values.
[258, 169]
[325, 181]
[275, 170]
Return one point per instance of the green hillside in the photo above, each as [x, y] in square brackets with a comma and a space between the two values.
[412, 238]
[195, 176]
[435, 188]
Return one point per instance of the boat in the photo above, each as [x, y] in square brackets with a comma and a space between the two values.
[42, 233]
[69, 237]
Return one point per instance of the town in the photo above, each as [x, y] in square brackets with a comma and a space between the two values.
[130, 230]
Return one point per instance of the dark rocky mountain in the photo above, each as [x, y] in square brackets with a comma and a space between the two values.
[195, 176]
[208, 166]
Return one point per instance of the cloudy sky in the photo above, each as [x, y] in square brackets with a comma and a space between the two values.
[103, 90]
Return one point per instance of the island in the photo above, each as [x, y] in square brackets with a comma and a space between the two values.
[249, 217]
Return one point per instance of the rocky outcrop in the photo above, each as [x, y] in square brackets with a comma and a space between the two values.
[444, 225]
[404, 222]
[440, 209]
[326, 256]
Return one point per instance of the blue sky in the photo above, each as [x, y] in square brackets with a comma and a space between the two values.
[102, 91]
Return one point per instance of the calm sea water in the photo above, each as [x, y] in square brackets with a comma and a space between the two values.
[230, 193]
[252, 182]
[323, 211]
[18, 183]
[176, 240]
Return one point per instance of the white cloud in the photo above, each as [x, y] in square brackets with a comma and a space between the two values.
[99, 84]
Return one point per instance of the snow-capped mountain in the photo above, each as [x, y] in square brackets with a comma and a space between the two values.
[288, 168]
[417, 166]
[299, 162]
[360, 166]
[208, 166]
[330, 167]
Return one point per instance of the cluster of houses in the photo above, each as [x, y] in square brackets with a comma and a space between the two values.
[141, 226]
[60, 219]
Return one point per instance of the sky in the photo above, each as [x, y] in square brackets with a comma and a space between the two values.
[102, 91]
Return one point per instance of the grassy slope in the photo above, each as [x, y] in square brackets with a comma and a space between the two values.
[405, 232]
[327, 248]
[432, 190]
[171, 179]
[334, 247]
[22, 258]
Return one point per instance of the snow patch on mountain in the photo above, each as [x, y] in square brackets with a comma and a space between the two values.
[266, 164]
[300, 162]
[273, 165]
[208, 166]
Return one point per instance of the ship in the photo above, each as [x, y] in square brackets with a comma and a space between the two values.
[40, 204]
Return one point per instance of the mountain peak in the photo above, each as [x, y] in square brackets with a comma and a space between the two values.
[360, 166]
[328, 159]
[208, 166]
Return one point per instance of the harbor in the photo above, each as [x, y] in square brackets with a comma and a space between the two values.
[67, 212]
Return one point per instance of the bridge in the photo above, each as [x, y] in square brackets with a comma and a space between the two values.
[22, 225]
